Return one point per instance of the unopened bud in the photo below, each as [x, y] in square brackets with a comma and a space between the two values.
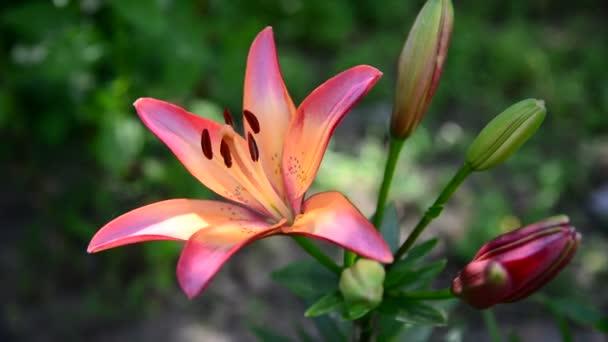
[362, 283]
[420, 65]
[514, 265]
[505, 134]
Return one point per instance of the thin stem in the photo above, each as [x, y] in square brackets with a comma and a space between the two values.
[491, 325]
[365, 328]
[564, 328]
[316, 253]
[435, 210]
[394, 149]
[442, 294]
[389, 170]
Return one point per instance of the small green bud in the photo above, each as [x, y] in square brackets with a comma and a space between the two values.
[505, 134]
[420, 65]
[362, 284]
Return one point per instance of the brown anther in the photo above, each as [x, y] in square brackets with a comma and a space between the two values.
[253, 148]
[225, 152]
[206, 144]
[228, 117]
[252, 121]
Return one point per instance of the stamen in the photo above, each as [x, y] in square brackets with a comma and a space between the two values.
[206, 144]
[252, 121]
[228, 117]
[225, 152]
[253, 148]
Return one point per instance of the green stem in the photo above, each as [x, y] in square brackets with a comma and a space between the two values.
[435, 210]
[389, 170]
[564, 328]
[491, 325]
[365, 328]
[394, 149]
[349, 258]
[316, 253]
[442, 294]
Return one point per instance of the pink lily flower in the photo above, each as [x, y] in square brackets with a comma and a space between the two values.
[264, 173]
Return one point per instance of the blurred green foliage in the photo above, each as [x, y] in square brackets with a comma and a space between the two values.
[76, 154]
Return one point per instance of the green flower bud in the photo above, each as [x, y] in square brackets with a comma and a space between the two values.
[362, 283]
[505, 134]
[420, 65]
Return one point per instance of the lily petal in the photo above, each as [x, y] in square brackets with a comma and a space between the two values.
[208, 249]
[266, 96]
[331, 217]
[181, 131]
[314, 123]
[175, 219]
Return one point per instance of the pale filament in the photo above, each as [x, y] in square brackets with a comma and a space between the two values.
[252, 177]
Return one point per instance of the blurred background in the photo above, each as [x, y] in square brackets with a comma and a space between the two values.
[75, 155]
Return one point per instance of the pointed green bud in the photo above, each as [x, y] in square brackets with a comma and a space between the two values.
[420, 65]
[505, 134]
[362, 284]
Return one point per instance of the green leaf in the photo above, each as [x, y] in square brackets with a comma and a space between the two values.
[326, 304]
[413, 256]
[309, 281]
[355, 311]
[389, 329]
[390, 227]
[406, 264]
[306, 279]
[420, 250]
[415, 333]
[330, 329]
[492, 327]
[413, 312]
[602, 325]
[414, 278]
[564, 328]
[578, 312]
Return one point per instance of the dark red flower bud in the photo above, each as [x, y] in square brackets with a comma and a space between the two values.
[514, 265]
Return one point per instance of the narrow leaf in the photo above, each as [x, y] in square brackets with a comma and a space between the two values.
[356, 311]
[492, 325]
[414, 278]
[326, 304]
[390, 227]
[421, 250]
[413, 256]
[414, 312]
[330, 329]
[389, 328]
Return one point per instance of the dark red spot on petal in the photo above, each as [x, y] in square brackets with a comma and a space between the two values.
[252, 120]
[206, 144]
[225, 152]
[253, 148]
